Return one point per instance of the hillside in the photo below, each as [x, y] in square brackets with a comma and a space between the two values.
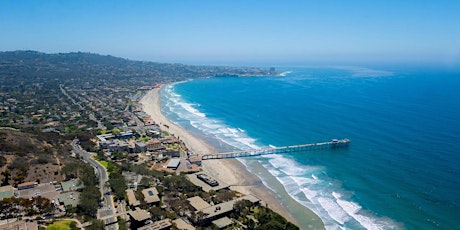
[20, 65]
[28, 157]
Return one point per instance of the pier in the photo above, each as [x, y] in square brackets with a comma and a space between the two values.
[333, 144]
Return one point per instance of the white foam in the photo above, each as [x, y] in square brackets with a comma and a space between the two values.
[300, 181]
[334, 210]
[189, 108]
[283, 74]
[288, 166]
[304, 181]
[235, 137]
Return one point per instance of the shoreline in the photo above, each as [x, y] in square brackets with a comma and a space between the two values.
[231, 171]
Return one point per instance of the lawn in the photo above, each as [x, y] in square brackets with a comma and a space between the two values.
[104, 163]
[60, 225]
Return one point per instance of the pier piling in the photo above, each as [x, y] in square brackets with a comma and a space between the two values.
[333, 144]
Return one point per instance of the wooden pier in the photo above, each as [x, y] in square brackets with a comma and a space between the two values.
[333, 144]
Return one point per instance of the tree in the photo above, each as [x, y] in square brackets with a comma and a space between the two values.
[6, 177]
[96, 225]
[73, 225]
[118, 184]
[89, 200]
[122, 224]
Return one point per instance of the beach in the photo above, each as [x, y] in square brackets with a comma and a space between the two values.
[231, 171]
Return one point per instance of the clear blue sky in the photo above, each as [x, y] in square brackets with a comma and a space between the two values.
[228, 32]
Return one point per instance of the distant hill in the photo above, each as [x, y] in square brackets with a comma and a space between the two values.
[30, 64]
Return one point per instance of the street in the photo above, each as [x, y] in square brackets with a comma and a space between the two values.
[108, 207]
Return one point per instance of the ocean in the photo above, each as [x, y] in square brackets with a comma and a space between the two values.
[401, 170]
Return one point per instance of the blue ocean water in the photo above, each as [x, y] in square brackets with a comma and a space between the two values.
[401, 169]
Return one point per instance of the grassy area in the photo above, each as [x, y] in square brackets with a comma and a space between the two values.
[60, 225]
[104, 163]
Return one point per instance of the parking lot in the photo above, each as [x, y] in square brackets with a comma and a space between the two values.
[44, 190]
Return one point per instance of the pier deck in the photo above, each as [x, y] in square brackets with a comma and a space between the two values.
[333, 144]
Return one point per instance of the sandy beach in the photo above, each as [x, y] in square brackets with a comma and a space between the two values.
[231, 171]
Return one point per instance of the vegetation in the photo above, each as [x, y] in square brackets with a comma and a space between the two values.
[96, 225]
[15, 207]
[264, 217]
[90, 195]
[122, 224]
[118, 184]
[52, 99]
[62, 225]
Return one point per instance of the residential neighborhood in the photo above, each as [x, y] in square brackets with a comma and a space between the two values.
[81, 150]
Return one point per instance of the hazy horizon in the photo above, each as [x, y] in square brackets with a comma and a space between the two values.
[239, 32]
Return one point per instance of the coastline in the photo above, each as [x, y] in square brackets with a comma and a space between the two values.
[231, 171]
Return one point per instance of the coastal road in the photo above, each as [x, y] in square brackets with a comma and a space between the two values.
[109, 206]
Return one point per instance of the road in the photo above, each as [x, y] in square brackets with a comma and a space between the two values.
[109, 206]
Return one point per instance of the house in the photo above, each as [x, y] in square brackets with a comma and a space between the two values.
[195, 159]
[173, 163]
[132, 200]
[169, 140]
[151, 195]
[154, 145]
[221, 210]
[198, 203]
[140, 146]
[171, 153]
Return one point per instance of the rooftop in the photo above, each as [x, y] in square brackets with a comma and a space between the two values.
[132, 198]
[181, 224]
[151, 195]
[139, 214]
[223, 222]
[193, 178]
[158, 225]
[173, 163]
[198, 203]
[226, 207]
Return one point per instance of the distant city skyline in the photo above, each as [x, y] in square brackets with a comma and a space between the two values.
[236, 32]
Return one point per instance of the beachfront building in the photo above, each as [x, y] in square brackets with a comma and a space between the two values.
[173, 163]
[207, 215]
[154, 145]
[195, 159]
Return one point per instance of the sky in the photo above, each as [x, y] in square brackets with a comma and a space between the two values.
[233, 32]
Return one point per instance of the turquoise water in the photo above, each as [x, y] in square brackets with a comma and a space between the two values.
[401, 169]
